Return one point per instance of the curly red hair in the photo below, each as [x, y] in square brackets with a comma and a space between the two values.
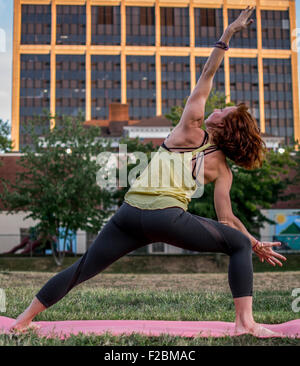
[240, 139]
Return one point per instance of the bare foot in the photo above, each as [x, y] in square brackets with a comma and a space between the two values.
[24, 329]
[22, 323]
[256, 330]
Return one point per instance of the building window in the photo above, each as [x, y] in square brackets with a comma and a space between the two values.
[275, 28]
[140, 25]
[244, 84]
[36, 24]
[208, 26]
[106, 25]
[174, 26]
[219, 78]
[34, 94]
[70, 84]
[106, 84]
[247, 38]
[141, 86]
[174, 69]
[157, 248]
[278, 98]
[71, 24]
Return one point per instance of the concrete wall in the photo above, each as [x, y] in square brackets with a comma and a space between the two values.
[10, 233]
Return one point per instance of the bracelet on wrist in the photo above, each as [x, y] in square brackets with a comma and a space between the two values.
[221, 45]
[255, 245]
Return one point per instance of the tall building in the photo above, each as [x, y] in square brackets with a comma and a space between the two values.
[72, 55]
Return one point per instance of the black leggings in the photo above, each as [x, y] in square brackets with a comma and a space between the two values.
[131, 228]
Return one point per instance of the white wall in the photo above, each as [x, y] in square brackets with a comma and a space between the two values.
[147, 132]
[10, 226]
[81, 242]
[10, 235]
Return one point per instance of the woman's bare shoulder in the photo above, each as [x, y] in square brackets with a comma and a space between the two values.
[181, 136]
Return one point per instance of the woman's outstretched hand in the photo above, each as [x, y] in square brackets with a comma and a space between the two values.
[243, 21]
[265, 252]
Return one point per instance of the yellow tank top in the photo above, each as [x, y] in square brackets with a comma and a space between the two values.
[167, 181]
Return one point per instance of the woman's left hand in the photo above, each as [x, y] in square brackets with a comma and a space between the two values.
[243, 21]
[265, 252]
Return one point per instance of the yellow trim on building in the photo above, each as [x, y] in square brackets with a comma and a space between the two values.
[53, 64]
[15, 114]
[294, 61]
[260, 70]
[88, 76]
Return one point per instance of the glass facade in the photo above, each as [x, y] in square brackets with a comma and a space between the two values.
[34, 91]
[70, 24]
[106, 84]
[140, 73]
[175, 81]
[141, 86]
[106, 25]
[278, 98]
[275, 26]
[36, 24]
[219, 79]
[70, 84]
[140, 26]
[244, 83]
[174, 26]
[208, 26]
[247, 38]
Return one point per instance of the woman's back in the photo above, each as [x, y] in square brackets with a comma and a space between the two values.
[175, 174]
[182, 136]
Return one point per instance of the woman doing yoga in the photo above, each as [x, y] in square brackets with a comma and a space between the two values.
[159, 213]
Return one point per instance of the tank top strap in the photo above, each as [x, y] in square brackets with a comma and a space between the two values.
[194, 152]
[163, 145]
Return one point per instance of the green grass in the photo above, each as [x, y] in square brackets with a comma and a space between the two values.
[109, 303]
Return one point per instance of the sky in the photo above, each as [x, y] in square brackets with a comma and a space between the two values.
[6, 36]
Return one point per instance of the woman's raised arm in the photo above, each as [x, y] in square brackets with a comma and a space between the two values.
[193, 113]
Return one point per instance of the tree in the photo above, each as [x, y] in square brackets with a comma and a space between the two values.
[57, 185]
[5, 141]
[215, 100]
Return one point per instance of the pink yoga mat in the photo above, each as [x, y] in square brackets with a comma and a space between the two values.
[65, 328]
